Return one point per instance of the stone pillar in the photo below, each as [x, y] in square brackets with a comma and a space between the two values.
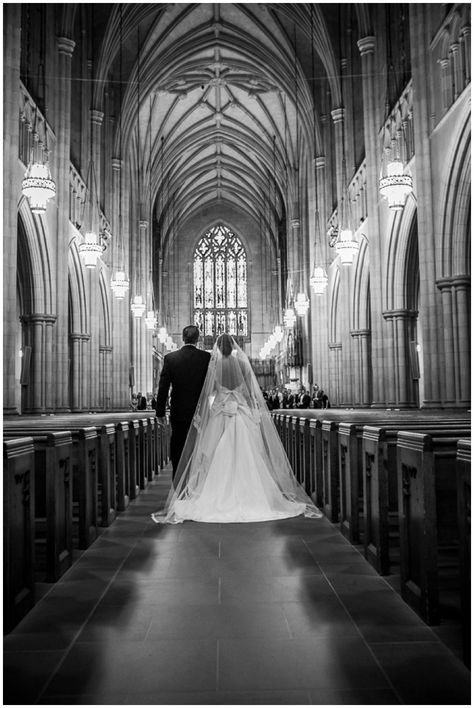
[401, 393]
[456, 69]
[445, 84]
[105, 393]
[120, 308]
[65, 48]
[320, 351]
[361, 367]
[338, 120]
[11, 193]
[466, 46]
[347, 396]
[97, 118]
[457, 350]
[142, 348]
[79, 368]
[430, 315]
[371, 138]
[334, 391]
[39, 334]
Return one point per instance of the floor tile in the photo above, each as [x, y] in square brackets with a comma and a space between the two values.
[284, 612]
[362, 697]
[222, 698]
[36, 665]
[133, 667]
[419, 673]
[219, 621]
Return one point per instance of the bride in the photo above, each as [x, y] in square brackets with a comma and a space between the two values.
[233, 467]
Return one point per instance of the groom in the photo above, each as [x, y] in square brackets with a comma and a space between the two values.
[184, 370]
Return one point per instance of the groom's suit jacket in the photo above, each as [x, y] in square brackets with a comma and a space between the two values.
[184, 370]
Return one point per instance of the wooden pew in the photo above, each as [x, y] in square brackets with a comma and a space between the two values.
[85, 462]
[107, 479]
[18, 529]
[123, 463]
[330, 463]
[463, 471]
[380, 490]
[429, 531]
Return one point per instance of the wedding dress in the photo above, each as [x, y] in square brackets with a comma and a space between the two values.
[233, 467]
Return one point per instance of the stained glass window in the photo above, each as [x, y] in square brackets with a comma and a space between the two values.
[220, 284]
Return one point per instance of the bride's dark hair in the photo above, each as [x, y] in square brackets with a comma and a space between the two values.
[225, 344]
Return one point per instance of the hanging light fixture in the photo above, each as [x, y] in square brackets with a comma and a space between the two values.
[319, 280]
[37, 185]
[301, 304]
[396, 185]
[150, 320]
[119, 284]
[138, 307]
[90, 250]
[346, 247]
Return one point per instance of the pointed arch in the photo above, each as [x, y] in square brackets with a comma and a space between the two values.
[34, 262]
[78, 315]
[401, 260]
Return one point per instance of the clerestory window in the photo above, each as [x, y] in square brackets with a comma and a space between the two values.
[220, 284]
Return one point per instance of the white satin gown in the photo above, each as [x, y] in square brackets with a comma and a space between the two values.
[238, 485]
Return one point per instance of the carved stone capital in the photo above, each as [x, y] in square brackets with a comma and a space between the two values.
[97, 117]
[337, 115]
[65, 45]
[117, 163]
[320, 162]
[366, 45]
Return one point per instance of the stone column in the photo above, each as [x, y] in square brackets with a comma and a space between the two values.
[41, 382]
[11, 194]
[105, 393]
[457, 350]
[402, 394]
[338, 120]
[334, 391]
[445, 84]
[430, 318]
[466, 44]
[141, 346]
[320, 302]
[65, 48]
[362, 393]
[120, 308]
[97, 118]
[371, 137]
[457, 69]
[79, 368]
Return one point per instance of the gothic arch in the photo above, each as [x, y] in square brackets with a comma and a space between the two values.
[105, 319]
[360, 314]
[34, 262]
[334, 334]
[399, 265]
[78, 319]
[456, 201]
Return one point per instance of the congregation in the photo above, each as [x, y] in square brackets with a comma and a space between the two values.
[283, 398]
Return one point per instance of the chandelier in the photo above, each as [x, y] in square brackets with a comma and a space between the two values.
[119, 285]
[138, 307]
[318, 280]
[38, 187]
[301, 304]
[162, 335]
[346, 247]
[396, 186]
[150, 320]
[90, 249]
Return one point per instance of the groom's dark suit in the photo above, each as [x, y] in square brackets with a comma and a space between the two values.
[185, 370]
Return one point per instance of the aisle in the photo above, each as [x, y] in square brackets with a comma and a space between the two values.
[275, 613]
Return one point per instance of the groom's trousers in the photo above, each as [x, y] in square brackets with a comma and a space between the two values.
[179, 432]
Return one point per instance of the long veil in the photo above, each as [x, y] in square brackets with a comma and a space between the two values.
[230, 385]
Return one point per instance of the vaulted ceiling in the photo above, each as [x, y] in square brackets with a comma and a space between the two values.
[217, 102]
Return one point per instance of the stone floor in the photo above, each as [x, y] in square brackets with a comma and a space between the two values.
[284, 612]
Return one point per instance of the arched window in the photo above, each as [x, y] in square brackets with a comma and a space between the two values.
[220, 284]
